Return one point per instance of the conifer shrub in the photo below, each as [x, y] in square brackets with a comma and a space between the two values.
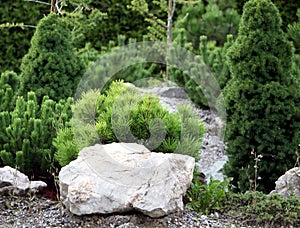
[115, 62]
[287, 10]
[214, 64]
[9, 85]
[51, 67]
[134, 72]
[122, 114]
[262, 99]
[214, 19]
[293, 31]
[26, 133]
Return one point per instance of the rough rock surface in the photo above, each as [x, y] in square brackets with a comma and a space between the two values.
[121, 177]
[289, 183]
[14, 182]
[212, 153]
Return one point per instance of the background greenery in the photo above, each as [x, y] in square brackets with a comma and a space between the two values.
[259, 76]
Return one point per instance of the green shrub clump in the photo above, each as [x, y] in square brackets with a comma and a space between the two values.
[213, 65]
[214, 19]
[122, 114]
[261, 210]
[26, 134]
[51, 67]
[262, 100]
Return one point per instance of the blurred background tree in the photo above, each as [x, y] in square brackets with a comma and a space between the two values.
[15, 40]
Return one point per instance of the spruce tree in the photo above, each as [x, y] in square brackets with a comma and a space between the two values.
[51, 66]
[262, 99]
[287, 9]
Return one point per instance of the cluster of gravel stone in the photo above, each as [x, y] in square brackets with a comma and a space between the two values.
[38, 211]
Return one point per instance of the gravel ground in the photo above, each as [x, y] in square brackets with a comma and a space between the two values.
[38, 211]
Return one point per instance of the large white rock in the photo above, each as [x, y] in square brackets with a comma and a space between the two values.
[14, 182]
[289, 183]
[121, 177]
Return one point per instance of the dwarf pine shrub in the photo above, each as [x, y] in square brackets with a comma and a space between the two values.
[9, 85]
[26, 133]
[122, 114]
[262, 99]
[214, 19]
[213, 64]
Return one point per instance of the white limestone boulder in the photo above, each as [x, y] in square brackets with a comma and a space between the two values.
[12, 181]
[122, 177]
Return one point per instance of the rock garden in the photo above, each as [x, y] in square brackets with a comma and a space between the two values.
[150, 114]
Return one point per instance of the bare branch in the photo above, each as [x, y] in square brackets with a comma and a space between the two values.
[19, 25]
[78, 8]
[37, 1]
[57, 7]
[30, 26]
[173, 8]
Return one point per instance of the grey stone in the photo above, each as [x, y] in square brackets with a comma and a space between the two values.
[36, 186]
[289, 183]
[174, 92]
[14, 182]
[121, 177]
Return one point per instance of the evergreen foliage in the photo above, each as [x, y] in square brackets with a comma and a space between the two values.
[294, 32]
[123, 115]
[67, 148]
[134, 72]
[15, 40]
[115, 58]
[120, 21]
[85, 26]
[51, 66]
[156, 18]
[262, 99]
[256, 209]
[215, 20]
[214, 64]
[9, 85]
[26, 133]
[287, 10]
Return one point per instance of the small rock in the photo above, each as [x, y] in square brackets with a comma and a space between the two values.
[12, 181]
[289, 183]
[36, 186]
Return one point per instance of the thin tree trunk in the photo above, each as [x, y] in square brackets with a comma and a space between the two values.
[171, 10]
[52, 10]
